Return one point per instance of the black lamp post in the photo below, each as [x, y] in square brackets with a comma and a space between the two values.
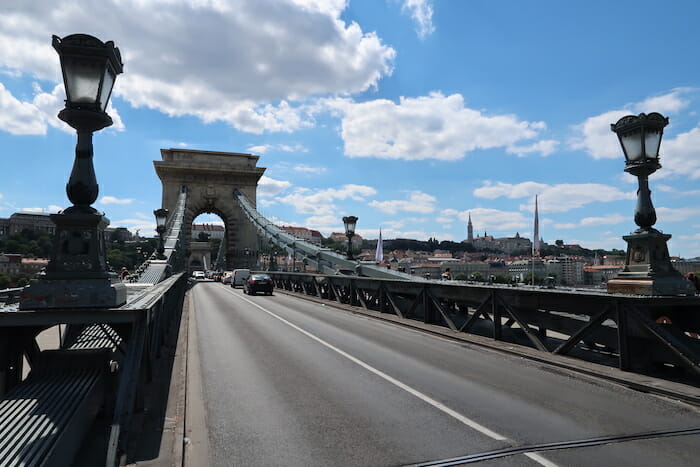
[648, 269]
[161, 218]
[350, 223]
[77, 274]
[90, 68]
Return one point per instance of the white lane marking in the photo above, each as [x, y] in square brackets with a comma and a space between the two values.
[425, 398]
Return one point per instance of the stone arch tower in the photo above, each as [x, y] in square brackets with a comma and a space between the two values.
[210, 178]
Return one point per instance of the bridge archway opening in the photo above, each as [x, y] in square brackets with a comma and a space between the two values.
[210, 179]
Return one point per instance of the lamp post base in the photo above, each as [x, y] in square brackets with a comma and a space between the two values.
[73, 293]
[77, 275]
[648, 269]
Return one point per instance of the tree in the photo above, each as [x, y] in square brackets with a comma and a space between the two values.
[559, 243]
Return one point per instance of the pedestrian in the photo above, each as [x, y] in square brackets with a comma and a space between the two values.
[694, 280]
[124, 274]
[447, 275]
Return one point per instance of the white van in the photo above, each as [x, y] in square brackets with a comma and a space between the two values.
[239, 277]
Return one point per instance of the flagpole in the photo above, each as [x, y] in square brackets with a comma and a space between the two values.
[535, 241]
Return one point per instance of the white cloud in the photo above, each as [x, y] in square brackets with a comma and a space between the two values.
[610, 219]
[422, 13]
[675, 191]
[270, 187]
[50, 209]
[553, 198]
[321, 202]
[544, 147]
[303, 168]
[19, 118]
[31, 118]
[417, 202]
[246, 65]
[324, 222]
[680, 156]
[114, 200]
[670, 103]
[265, 148]
[595, 137]
[676, 214]
[429, 127]
[146, 228]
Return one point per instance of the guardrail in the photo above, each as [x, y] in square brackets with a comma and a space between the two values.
[116, 348]
[10, 296]
[636, 333]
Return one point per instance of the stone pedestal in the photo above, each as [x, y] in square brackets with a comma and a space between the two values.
[77, 275]
[648, 269]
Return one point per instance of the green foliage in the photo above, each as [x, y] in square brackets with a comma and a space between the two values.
[28, 243]
[129, 255]
[5, 280]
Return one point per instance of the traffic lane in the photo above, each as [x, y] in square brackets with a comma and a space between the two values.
[529, 402]
[275, 397]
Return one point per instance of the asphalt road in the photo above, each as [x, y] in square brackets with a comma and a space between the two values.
[288, 382]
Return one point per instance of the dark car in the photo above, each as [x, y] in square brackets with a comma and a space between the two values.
[258, 283]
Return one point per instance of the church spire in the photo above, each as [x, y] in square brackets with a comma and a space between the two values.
[470, 229]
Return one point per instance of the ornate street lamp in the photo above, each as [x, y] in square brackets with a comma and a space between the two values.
[77, 274]
[350, 223]
[648, 269]
[161, 218]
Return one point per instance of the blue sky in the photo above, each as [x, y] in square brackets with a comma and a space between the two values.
[409, 114]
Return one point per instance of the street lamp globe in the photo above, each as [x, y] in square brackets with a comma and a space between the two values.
[161, 218]
[640, 138]
[89, 67]
[350, 223]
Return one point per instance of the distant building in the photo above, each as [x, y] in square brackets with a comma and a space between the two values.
[520, 269]
[686, 266]
[483, 268]
[488, 242]
[31, 266]
[23, 220]
[213, 230]
[613, 260]
[302, 233]
[506, 244]
[340, 237]
[118, 234]
[566, 269]
[10, 264]
[596, 275]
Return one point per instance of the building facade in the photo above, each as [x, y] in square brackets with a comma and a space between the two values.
[302, 233]
[212, 230]
[22, 220]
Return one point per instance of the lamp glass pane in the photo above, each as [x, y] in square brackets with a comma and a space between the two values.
[106, 88]
[632, 144]
[652, 140]
[82, 79]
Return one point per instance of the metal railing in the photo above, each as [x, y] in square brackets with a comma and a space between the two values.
[322, 259]
[635, 333]
[155, 270]
[130, 336]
